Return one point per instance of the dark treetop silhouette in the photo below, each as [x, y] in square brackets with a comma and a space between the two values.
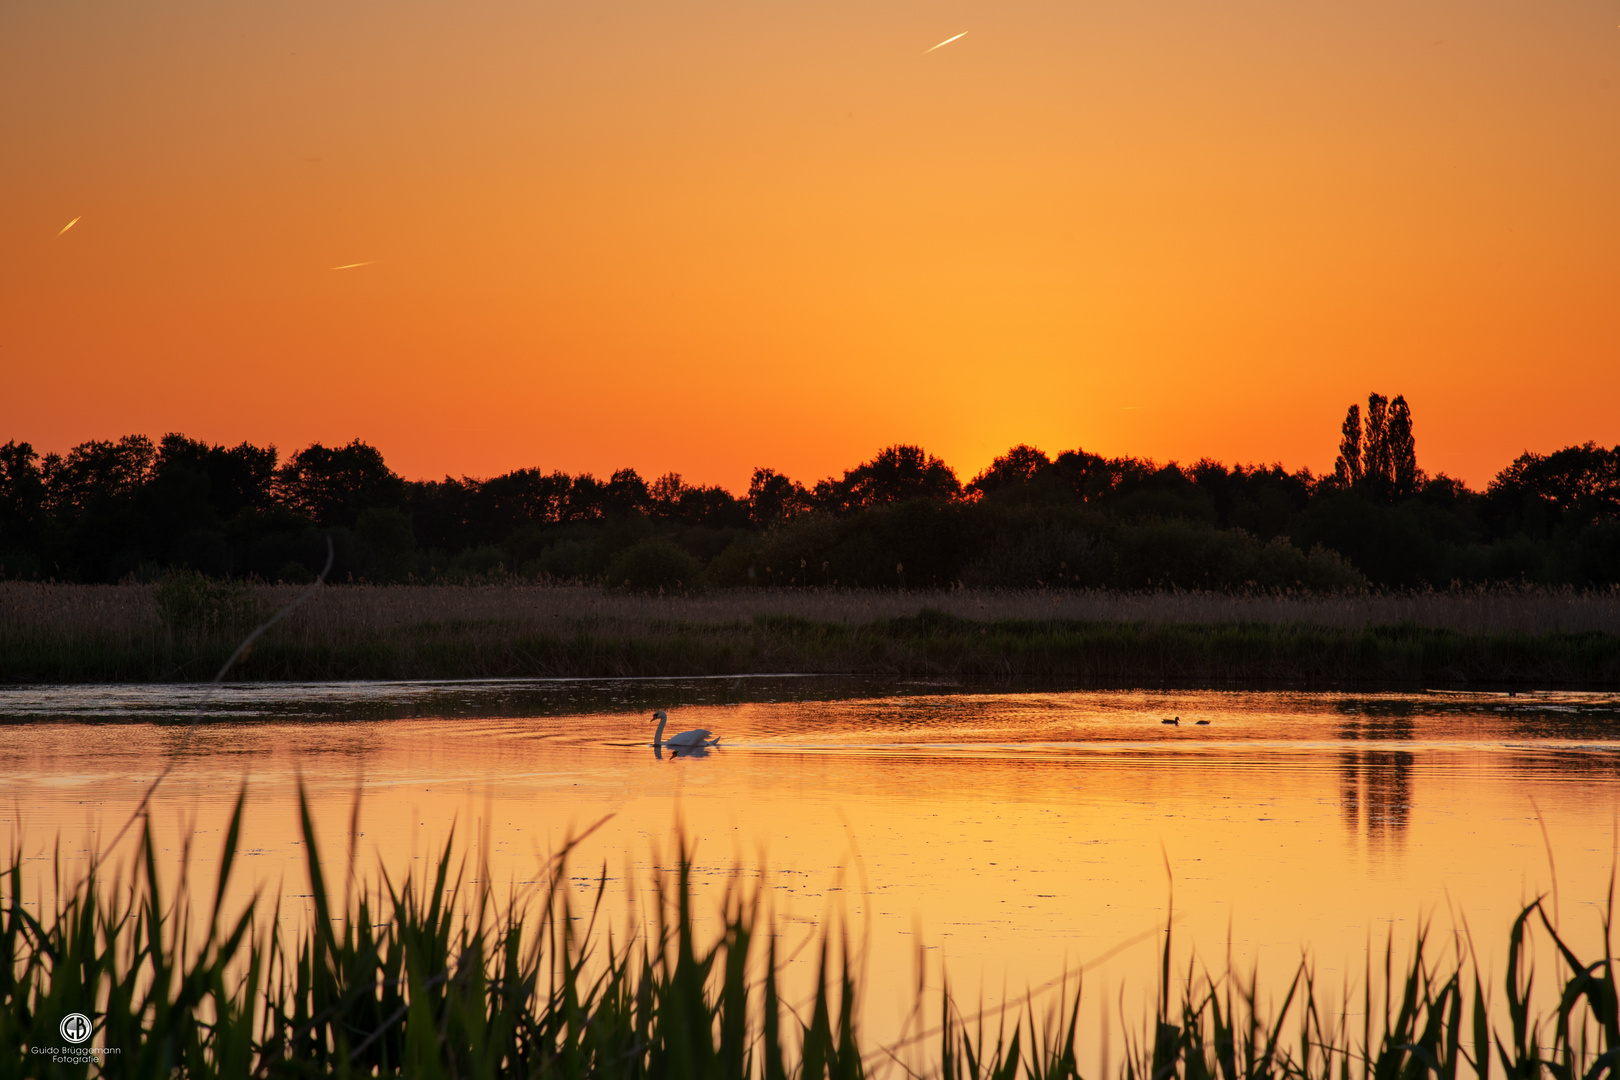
[111, 511]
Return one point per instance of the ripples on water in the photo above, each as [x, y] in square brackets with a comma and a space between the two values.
[1013, 831]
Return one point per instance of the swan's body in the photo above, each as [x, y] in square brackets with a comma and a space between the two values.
[686, 739]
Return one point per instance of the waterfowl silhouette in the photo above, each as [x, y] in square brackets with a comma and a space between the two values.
[686, 740]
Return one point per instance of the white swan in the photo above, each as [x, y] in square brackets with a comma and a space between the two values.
[685, 740]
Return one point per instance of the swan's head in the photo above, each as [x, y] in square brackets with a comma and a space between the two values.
[660, 715]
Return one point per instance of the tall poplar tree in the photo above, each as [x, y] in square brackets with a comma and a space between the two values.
[1402, 449]
[1348, 467]
[1375, 459]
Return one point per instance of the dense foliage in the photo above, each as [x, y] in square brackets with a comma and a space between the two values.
[110, 511]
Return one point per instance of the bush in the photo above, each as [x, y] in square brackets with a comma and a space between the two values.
[1407, 546]
[918, 544]
[1596, 555]
[19, 564]
[1182, 555]
[653, 565]
[809, 538]
[294, 572]
[739, 565]
[1328, 571]
[276, 555]
[202, 550]
[613, 537]
[562, 561]
[189, 603]
[1155, 554]
[1049, 556]
[483, 561]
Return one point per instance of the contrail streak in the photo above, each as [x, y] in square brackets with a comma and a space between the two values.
[947, 41]
[351, 266]
[69, 225]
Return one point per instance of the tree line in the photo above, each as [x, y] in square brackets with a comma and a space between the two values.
[134, 509]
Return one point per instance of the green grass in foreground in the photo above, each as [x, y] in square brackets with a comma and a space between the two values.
[414, 979]
[928, 644]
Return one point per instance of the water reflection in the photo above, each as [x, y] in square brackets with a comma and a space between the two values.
[1015, 829]
[1376, 784]
[1376, 793]
[439, 699]
[699, 750]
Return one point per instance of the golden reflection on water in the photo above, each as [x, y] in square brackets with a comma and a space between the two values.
[1009, 835]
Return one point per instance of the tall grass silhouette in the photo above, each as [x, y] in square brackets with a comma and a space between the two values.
[421, 978]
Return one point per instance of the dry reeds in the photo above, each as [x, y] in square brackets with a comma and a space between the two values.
[131, 609]
[84, 633]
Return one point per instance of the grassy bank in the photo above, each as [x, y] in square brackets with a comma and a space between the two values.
[65, 634]
[928, 644]
[416, 978]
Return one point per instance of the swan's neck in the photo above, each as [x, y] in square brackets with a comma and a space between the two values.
[658, 737]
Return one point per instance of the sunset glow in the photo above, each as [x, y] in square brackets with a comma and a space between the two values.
[707, 237]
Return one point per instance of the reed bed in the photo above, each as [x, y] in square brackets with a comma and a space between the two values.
[422, 978]
[132, 609]
[74, 633]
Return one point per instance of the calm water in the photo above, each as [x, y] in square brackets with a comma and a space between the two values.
[1009, 834]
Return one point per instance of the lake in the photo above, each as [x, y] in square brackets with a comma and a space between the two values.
[1006, 834]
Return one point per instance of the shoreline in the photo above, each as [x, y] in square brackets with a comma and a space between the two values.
[931, 644]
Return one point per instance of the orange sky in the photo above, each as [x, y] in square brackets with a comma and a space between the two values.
[705, 236]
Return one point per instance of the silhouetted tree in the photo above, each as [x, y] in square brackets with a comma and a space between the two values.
[22, 510]
[95, 531]
[774, 498]
[1404, 476]
[1257, 498]
[1016, 468]
[1090, 477]
[22, 487]
[96, 474]
[1375, 460]
[517, 498]
[713, 508]
[239, 478]
[332, 486]
[1577, 483]
[625, 493]
[664, 494]
[1347, 469]
[898, 474]
[584, 498]
[107, 509]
